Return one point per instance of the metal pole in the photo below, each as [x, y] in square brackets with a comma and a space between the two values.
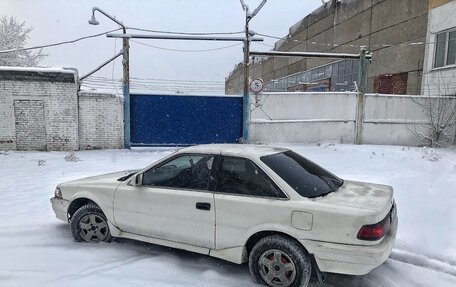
[362, 80]
[101, 66]
[190, 38]
[126, 73]
[245, 99]
[126, 91]
[308, 55]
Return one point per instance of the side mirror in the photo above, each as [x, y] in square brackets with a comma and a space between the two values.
[138, 179]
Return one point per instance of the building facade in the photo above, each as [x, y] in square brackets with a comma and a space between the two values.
[439, 75]
[393, 30]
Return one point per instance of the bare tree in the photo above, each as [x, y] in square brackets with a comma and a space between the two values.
[439, 104]
[14, 35]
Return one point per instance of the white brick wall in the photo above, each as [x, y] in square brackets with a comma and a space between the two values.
[58, 92]
[30, 125]
[100, 121]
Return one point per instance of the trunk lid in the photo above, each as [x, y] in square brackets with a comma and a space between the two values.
[362, 195]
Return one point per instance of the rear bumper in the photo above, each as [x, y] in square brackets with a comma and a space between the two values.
[351, 259]
[60, 207]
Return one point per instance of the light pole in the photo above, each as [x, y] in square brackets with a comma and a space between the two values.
[246, 100]
[126, 73]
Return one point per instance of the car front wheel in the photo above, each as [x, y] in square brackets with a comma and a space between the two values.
[89, 224]
[278, 261]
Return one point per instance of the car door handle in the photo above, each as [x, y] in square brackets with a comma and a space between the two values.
[203, 205]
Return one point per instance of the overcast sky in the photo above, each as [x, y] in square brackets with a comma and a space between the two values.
[59, 20]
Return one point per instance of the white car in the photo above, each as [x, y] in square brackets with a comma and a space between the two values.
[270, 207]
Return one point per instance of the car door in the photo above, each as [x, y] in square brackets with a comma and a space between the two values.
[246, 199]
[173, 202]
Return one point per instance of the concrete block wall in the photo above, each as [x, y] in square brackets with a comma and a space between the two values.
[303, 117]
[343, 28]
[100, 121]
[317, 117]
[28, 95]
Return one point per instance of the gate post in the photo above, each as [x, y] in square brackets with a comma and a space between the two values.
[361, 100]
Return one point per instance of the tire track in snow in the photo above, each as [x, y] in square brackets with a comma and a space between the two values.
[423, 261]
[103, 267]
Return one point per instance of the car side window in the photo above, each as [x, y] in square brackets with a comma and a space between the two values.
[187, 171]
[242, 176]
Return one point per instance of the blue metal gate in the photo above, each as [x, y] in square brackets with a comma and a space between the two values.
[164, 120]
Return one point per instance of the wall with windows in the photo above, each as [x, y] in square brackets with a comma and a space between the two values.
[439, 75]
[338, 76]
[312, 118]
[394, 31]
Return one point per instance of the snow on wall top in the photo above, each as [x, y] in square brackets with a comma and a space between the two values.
[35, 74]
[37, 69]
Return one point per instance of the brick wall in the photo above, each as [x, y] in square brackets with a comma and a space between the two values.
[28, 95]
[40, 109]
[100, 121]
[30, 124]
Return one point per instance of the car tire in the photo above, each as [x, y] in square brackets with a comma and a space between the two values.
[279, 261]
[89, 224]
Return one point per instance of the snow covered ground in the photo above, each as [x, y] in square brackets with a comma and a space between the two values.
[36, 249]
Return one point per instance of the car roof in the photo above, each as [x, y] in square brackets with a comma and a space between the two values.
[234, 149]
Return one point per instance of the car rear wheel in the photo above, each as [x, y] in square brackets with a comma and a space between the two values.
[278, 261]
[89, 224]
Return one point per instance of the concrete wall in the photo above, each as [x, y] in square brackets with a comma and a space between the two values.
[303, 117]
[439, 81]
[343, 28]
[316, 117]
[100, 121]
[38, 107]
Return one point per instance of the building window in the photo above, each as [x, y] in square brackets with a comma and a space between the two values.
[445, 49]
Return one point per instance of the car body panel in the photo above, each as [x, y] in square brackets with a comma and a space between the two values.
[99, 189]
[60, 207]
[168, 243]
[352, 259]
[375, 197]
[165, 213]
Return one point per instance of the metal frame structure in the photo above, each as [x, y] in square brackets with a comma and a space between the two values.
[126, 71]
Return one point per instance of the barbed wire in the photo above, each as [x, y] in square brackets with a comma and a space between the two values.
[155, 85]
[185, 33]
[185, 50]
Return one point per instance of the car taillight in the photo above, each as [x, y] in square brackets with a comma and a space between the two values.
[376, 231]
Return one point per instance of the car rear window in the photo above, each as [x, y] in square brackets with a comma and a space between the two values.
[305, 177]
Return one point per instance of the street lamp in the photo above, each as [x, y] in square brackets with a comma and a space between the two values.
[245, 100]
[126, 72]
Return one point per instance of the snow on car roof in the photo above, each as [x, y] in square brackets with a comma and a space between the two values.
[234, 149]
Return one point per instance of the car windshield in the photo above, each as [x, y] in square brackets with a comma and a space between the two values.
[305, 177]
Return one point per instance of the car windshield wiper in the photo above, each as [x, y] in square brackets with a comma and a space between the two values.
[124, 178]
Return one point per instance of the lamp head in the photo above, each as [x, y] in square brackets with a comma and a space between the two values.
[93, 20]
